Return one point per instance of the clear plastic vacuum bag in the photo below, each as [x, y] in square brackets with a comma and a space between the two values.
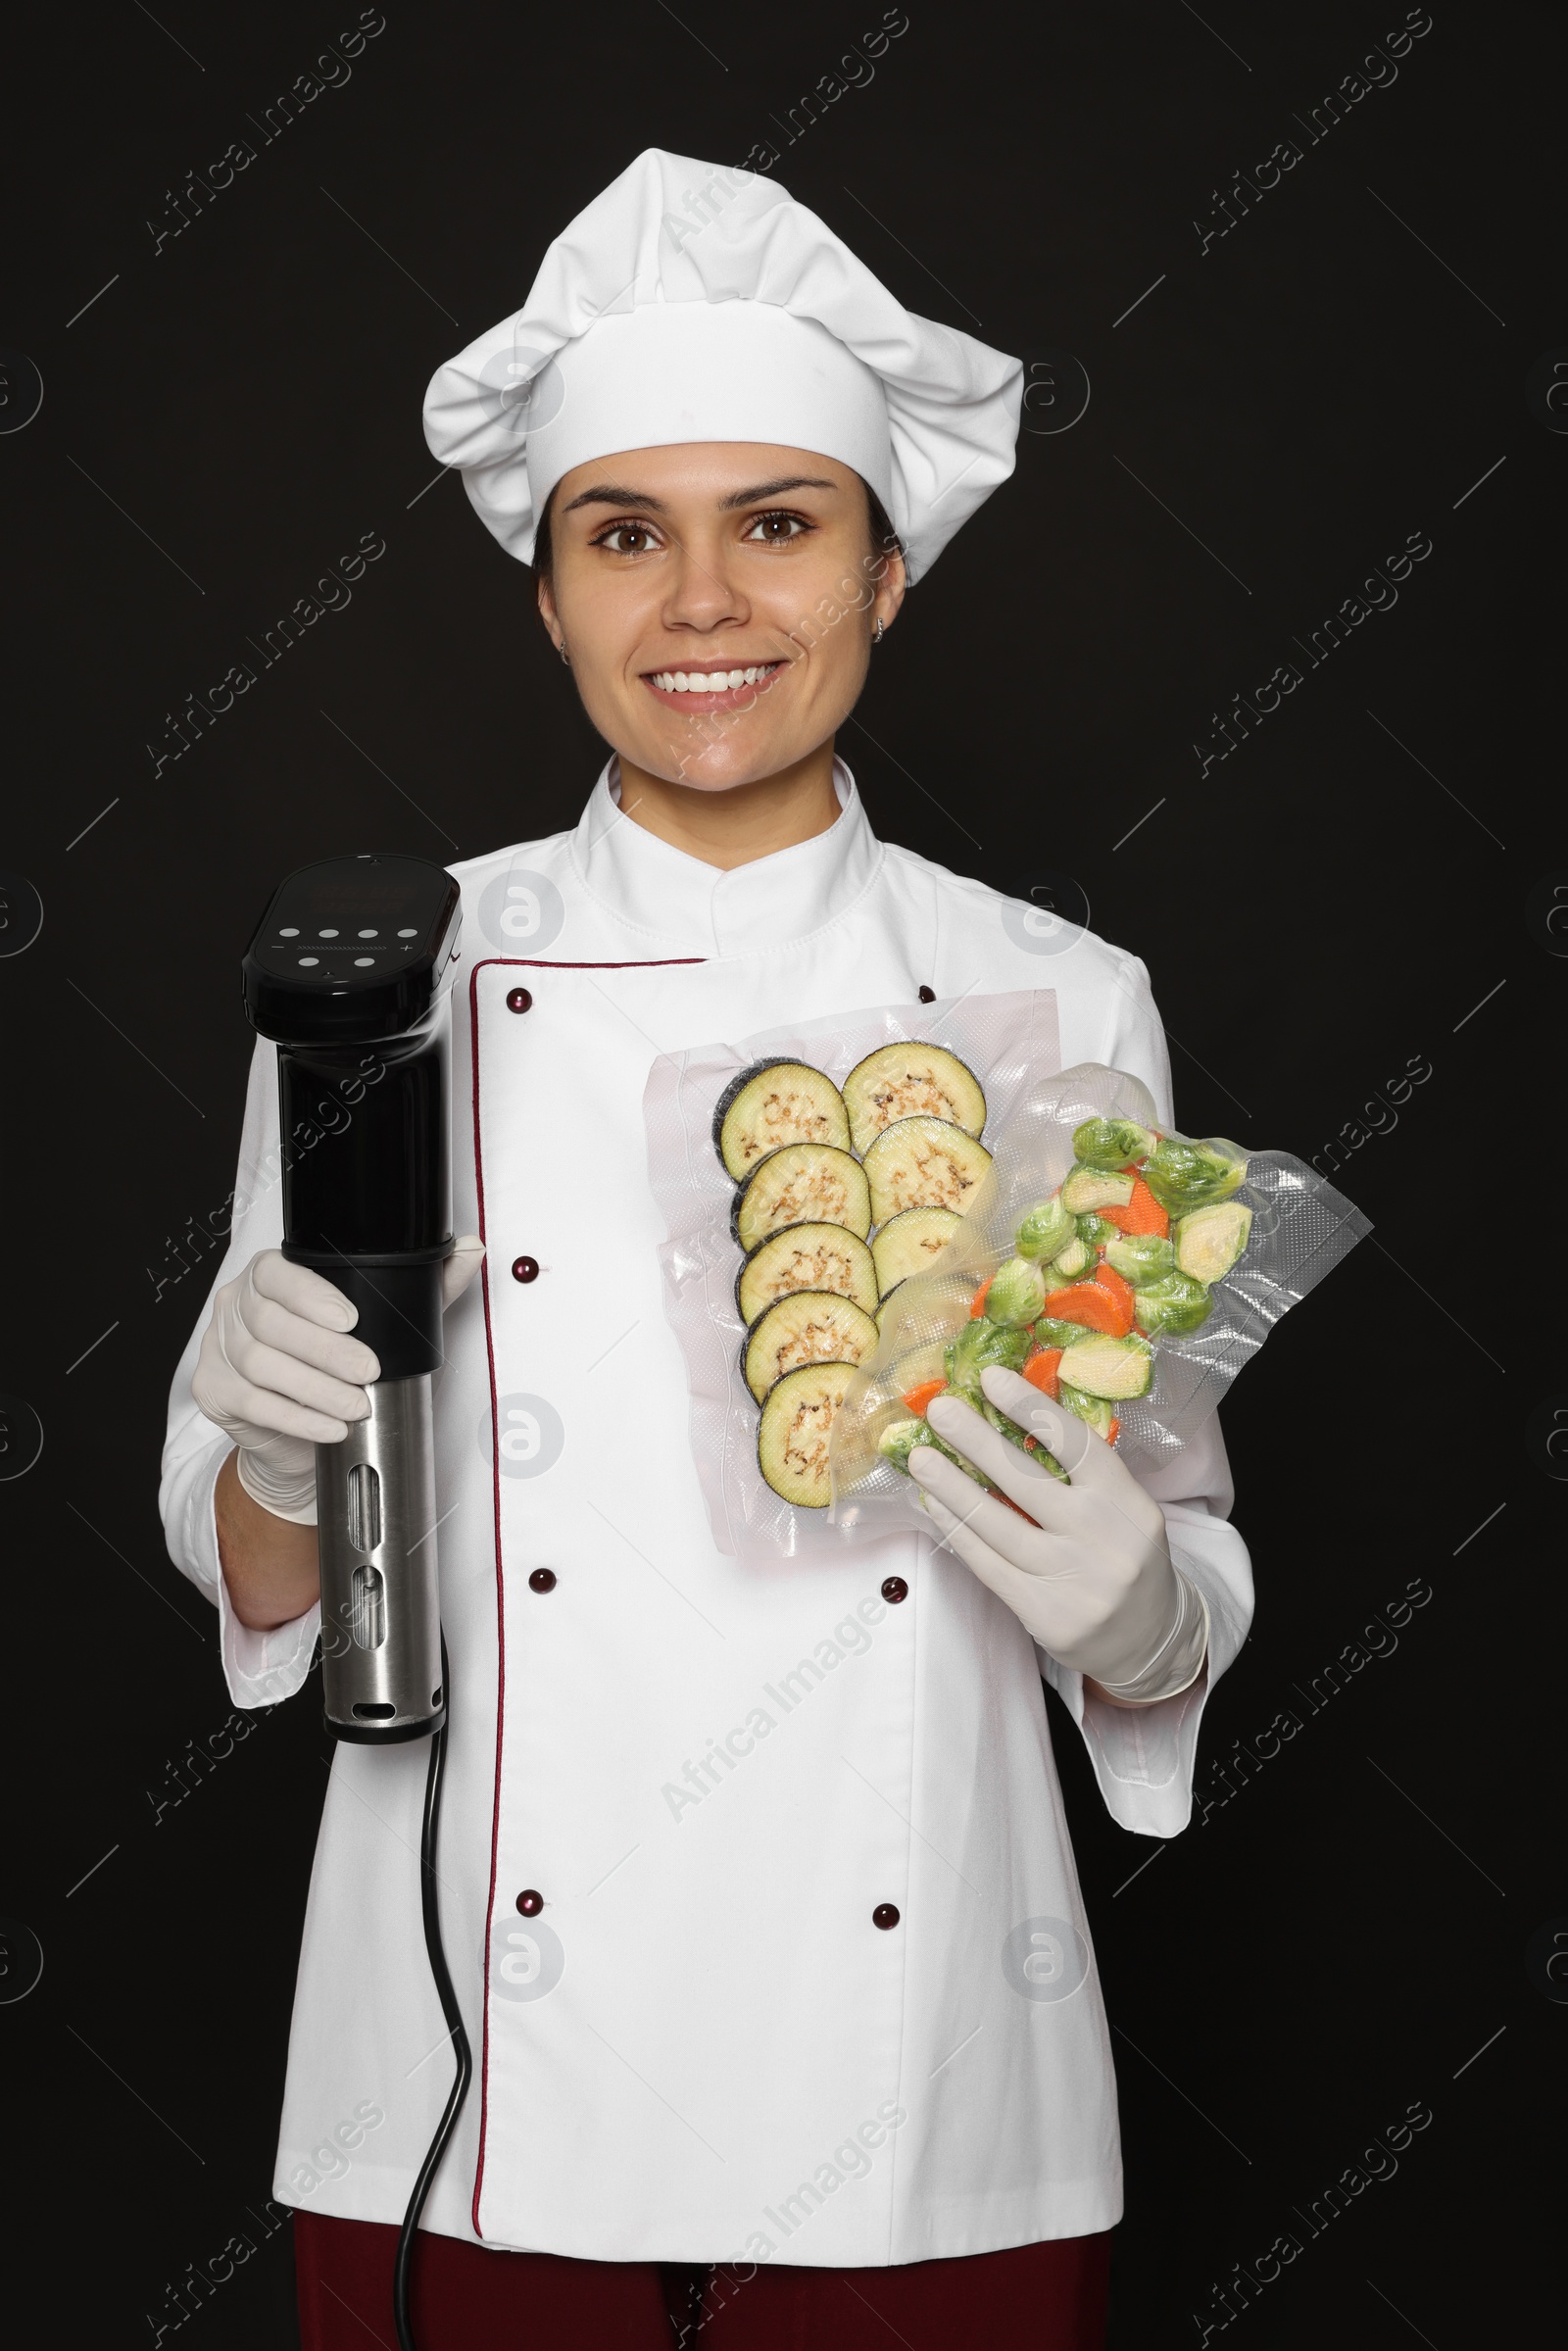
[1258, 1230]
[1008, 1041]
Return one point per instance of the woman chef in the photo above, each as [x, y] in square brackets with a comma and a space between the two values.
[756, 1888]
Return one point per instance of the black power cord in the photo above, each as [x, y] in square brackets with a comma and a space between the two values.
[402, 2273]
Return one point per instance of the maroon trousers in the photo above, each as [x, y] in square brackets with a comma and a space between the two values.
[1045, 2297]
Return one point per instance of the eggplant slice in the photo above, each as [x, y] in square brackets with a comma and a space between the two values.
[909, 1243]
[805, 1183]
[814, 1326]
[793, 1433]
[923, 1163]
[912, 1081]
[805, 1256]
[774, 1103]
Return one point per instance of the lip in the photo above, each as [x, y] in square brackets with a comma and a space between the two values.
[727, 698]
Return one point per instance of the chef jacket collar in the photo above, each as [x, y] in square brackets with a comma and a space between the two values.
[687, 907]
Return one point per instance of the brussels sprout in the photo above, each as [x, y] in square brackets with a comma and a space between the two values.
[1111, 1367]
[1191, 1175]
[899, 1440]
[981, 1344]
[1095, 1188]
[1045, 1230]
[1097, 1230]
[1003, 1426]
[1094, 1409]
[1023, 1441]
[1210, 1240]
[1139, 1256]
[1016, 1291]
[1049, 1331]
[1110, 1142]
[1171, 1306]
[900, 1437]
[1075, 1261]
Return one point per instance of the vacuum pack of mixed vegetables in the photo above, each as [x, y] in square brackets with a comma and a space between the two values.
[1126, 1270]
[806, 1177]
[867, 1214]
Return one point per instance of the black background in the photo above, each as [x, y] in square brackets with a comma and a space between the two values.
[1337, 899]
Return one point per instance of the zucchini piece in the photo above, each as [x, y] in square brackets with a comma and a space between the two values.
[1117, 1368]
[923, 1163]
[1045, 1230]
[1094, 1409]
[1210, 1240]
[805, 1183]
[910, 1243]
[910, 1081]
[793, 1433]
[805, 1256]
[1075, 1261]
[1095, 1188]
[774, 1103]
[814, 1326]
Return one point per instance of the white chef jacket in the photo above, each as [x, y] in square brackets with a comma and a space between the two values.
[701, 2048]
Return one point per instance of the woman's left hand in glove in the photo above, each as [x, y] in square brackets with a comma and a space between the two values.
[1092, 1579]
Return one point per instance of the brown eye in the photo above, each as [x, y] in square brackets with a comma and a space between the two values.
[627, 538]
[776, 530]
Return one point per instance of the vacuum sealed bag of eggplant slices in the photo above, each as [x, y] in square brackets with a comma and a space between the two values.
[1126, 1270]
[806, 1176]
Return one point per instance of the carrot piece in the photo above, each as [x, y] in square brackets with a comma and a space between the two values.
[1108, 1278]
[917, 1398]
[1041, 1372]
[1094, 1304]
[1143, 1214]
[978, 1304]
[1115, 1430]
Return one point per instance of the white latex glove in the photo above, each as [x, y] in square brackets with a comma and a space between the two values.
[279, 1373]
[1093, 1581]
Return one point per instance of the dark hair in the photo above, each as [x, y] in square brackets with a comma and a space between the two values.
[885, 540]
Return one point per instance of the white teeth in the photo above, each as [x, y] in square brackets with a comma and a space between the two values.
[716, 681]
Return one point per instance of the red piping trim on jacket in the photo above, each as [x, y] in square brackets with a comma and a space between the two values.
[523, 963]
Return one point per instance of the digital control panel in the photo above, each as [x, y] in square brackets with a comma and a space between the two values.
[351, 947]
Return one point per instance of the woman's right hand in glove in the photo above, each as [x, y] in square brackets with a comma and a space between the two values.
[280, 1374]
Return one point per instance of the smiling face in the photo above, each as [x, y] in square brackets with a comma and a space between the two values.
[717, 602]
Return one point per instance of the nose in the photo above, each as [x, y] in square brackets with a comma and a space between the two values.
[701, 596]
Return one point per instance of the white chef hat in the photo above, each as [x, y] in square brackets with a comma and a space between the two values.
[690, 303]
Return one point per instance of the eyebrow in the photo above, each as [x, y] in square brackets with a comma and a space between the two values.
[611, 492]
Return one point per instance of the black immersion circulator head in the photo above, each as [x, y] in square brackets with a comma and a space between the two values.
[348, 974]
